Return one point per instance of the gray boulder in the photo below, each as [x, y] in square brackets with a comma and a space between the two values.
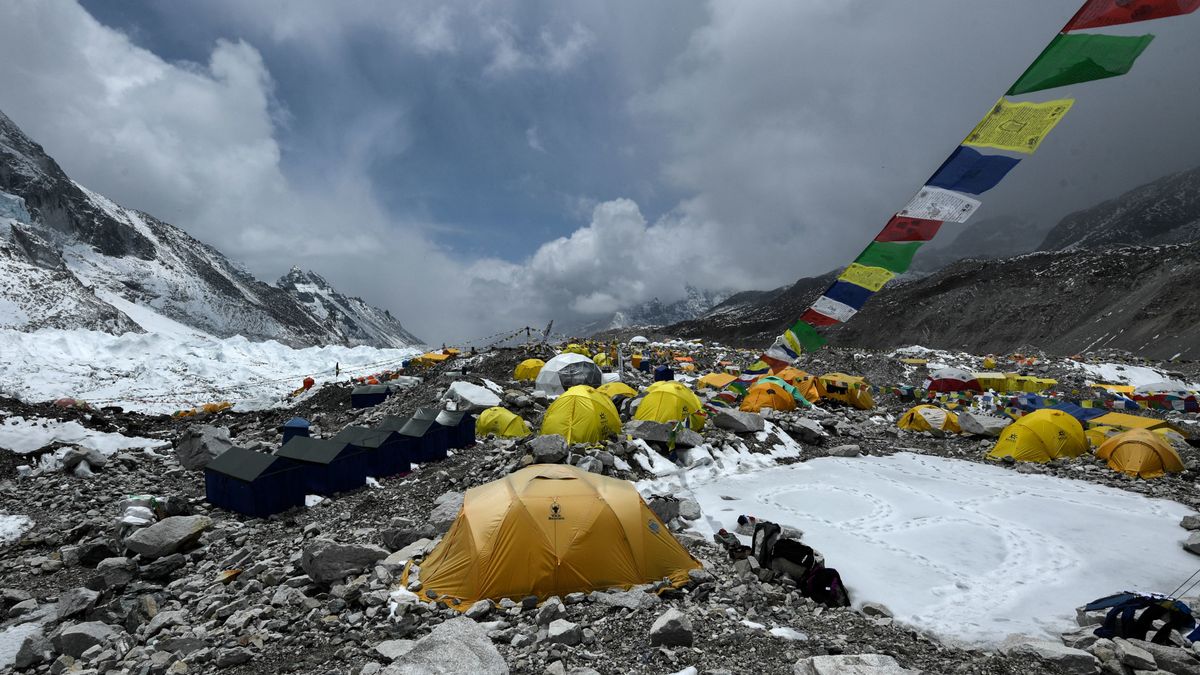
[75, 602]
[77, 638]
[689, 509]
[550, 611]
[456, 646]
[1190, 523]
[738, 422]
[394, 649]
[1192, 545]
[404, 533]
[76, 455]
[1065, 659]
[809, 431]
[1133, 656]
[659, 432]
[167, 536]
[563, 632]
[845, 451]
[549, 449]
[672, 629]
[850, 664]
[200, 444]
[1170, 659]
[445, 510]
[665, 507]
[633, 598]
[326, 561]
[590, 464]
[979, 424]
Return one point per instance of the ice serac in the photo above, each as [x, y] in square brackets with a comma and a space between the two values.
[358, 322]
[71, 258]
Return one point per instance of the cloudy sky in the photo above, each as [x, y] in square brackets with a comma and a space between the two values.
[482, 165]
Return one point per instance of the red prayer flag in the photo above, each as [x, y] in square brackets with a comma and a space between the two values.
[1099, 13]
[901, 228]
[816, 318]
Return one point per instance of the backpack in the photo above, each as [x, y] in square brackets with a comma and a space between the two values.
[793, 558]
[766, 535]
[824, 585]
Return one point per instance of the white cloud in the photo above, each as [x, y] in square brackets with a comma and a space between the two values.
[534, 139]
[551, 52]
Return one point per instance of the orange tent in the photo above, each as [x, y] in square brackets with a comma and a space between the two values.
[768, 395]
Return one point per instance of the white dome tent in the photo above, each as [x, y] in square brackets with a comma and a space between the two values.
[565, 371]
[639, 340]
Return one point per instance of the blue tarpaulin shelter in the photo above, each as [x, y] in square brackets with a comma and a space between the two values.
[1079, 413]
[327, 466]
[431, 440]
[461, 426]
[297, 426]
[663, 374]
[253, 483]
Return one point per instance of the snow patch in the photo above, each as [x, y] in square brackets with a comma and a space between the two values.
[12, 527]
[24, 436]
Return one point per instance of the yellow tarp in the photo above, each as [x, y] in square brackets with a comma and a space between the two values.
[577, 349]
[528, 369]
[995, 381]
[1019, 127]
[929, 418]
[1041, 436]
[582, 415]
[1097, 435]
[1115, 388]
[671, 402]
[601, 359]
[1125, 421]
[915, 362]
[849, 389]
[715, 380]
[551, 529]
[502, 423]
[611, 389]
[1140, 453]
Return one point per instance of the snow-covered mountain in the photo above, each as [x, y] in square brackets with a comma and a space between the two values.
[1166, 211]
[74, 259]
[655, 312]
[360, 323]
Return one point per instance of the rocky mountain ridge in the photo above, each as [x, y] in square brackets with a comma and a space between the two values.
[72, 258]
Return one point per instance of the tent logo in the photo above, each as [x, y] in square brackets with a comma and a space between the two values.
[653, 525]
[554, 511]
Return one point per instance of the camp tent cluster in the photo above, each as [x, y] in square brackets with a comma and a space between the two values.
[259, 484]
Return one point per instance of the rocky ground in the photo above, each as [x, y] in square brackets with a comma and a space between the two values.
[317, 590]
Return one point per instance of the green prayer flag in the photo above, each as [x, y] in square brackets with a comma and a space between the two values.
[1072, 58]
[890, 255]
[807, 336]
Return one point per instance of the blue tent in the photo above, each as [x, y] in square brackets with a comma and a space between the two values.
[297, 426]
[663, 374]
[644, 366]
[1079, 413]
[253, 483]
[369, 395]
[387, 454]
[327, 466]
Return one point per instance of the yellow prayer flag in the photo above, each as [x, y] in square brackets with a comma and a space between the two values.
[870, 278]
[1020, 127]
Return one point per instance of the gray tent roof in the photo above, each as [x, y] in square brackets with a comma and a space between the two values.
[393, 423]
[363, 437]
[313, 450]
[417, 427]
[241, 463]
[371, 389]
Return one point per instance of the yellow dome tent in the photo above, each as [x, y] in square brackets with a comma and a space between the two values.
[614, 389]
[601, 359]
[1140, 453]
[582, 415]
[989, 363]
[577, 349]
[502, 423]
[767, 395]
[1097, 435]
[929, 418]
[528, 369]
[715, 380]
[671, 401]
[1041, 436]
[551, 529]
[848, 389]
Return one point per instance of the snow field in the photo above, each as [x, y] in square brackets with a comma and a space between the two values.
[164, 372]
[969, 552]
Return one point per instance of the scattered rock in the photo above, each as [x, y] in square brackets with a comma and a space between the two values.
[548, 449]
[200, 444]
[456, 646]
[326, 561]
[550, 610]
[844, 451]
[167, 536]
[479, 610]
[1134, 656]
[853, 664]
[738, 422]
[660, 432]
[75, 639]
[1065, 659]
[445, 511]
[75, 602]
[563, 632]
[394, 649]
[671, 629]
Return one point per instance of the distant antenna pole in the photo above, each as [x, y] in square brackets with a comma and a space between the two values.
[546, 333]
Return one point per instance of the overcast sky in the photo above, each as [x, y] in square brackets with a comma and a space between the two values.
[479, 165]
